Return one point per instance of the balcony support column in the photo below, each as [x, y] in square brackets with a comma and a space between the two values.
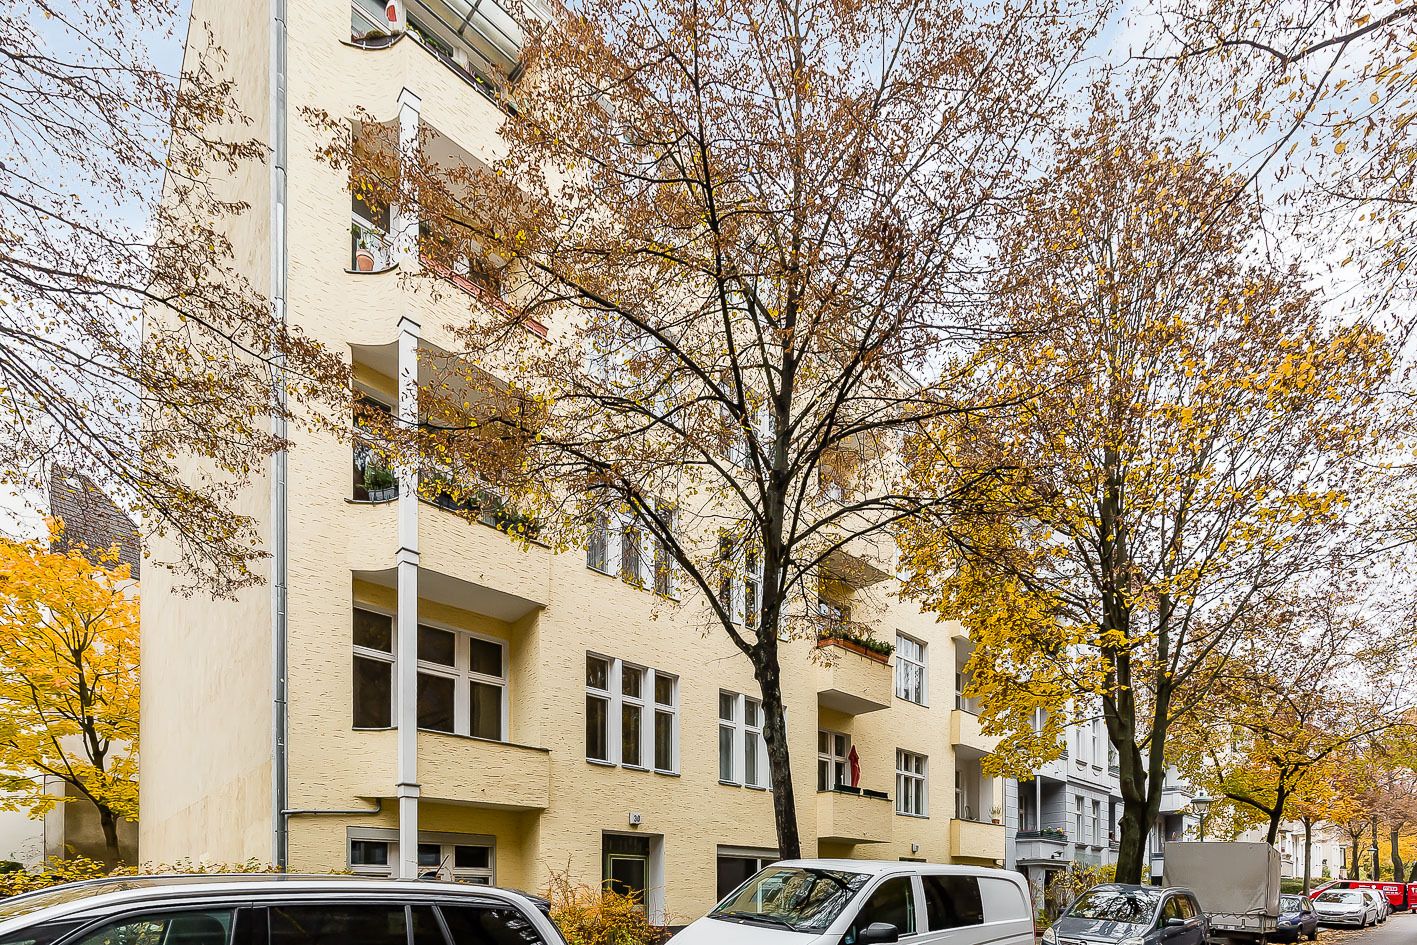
[403, 218]
[406, 646]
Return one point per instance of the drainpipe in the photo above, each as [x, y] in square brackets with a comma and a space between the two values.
[279, 461]
[406, 646]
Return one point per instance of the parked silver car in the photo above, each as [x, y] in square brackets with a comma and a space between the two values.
[256, 909]
[1345, 907]
[1380, 901]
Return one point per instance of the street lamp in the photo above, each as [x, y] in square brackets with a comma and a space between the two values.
[1374, 851]
[1200, 805]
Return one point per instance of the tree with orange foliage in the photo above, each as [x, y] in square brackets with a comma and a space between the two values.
[68, 681]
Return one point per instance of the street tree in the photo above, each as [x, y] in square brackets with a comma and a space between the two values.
[132, 349]
[750, 234]
[1191, 437]
[68, 682]
[1274, 714]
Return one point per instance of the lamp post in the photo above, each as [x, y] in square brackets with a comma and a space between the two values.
[1200, 805]
[1374, 851]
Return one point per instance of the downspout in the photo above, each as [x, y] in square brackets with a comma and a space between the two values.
[279, 460]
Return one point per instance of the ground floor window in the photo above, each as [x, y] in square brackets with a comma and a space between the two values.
[736, 865]
[463, 858]
[627, 866]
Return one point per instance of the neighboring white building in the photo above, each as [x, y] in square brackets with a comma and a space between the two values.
[21, 839]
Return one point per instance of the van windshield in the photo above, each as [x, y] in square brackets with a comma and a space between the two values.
[798, 898]
[1134, 906]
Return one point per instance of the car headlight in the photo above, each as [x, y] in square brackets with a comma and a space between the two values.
[1132, 940]
[1050, 937]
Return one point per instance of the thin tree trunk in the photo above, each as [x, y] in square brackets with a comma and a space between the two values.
[1274, 818]
[1375, 848]
[1398, 868]
[1308, 853]
[1131, 851]
[109, 822]
[784, 803]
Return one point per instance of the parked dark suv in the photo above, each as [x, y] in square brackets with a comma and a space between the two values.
[274, 910]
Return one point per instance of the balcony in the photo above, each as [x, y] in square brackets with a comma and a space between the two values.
[1041, 846]
[1175, 798]
[846, 816]
[965, 732]
[370, 249]
[978, 841]
[852, 678]
[462, 770]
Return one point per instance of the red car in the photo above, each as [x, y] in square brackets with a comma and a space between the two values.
[1399, 895]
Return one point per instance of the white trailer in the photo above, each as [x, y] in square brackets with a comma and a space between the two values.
[1236, 884]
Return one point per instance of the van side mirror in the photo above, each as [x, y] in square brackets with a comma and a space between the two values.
[878, 933]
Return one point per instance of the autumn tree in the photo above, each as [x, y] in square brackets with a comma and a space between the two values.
[1275, 714]
[1318, 95]
[750, 234]
[131, 347]
[1191, 436]
[68, 682]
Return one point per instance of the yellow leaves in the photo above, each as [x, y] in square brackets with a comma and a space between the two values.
[1340, 146]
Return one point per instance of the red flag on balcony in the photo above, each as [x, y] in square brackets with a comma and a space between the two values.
[855, 760]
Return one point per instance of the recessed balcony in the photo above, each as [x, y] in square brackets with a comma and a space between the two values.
[1041, 846]
[969, 838]
[849, 816]
[966, 732]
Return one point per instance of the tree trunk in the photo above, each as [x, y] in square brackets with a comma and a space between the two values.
[109, 822]
[1131, 851]
[1398, 868]
[1274, 818]
[1308, 853]
[1375, 848]
[784, 803]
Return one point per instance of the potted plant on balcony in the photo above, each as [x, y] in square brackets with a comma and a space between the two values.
[995, 812]
[380, 483]
[365, 244]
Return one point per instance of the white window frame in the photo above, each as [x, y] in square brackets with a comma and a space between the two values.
[911, 768]
[616, 700]
[463, 677]
[448, 841]
[905, 662]
[834, 760]
[739, 727]
[1096, 823]
[1078, 822]
[380, 656]
[601, 530]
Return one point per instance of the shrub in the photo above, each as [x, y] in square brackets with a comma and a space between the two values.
[74, 869]
[591, 916]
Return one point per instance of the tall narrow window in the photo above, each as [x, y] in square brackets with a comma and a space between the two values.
[666, 722]
[632, 711]
[752, 586]
[597, 709]
[728, 737]
[726, 568]
[909, 669]
[1078, 835]
[597, 552]
[663, 562]
[373, 669]
[910, 783]
[832, 766]
[754, 753]
[631, 555]
[742, 753]
[1097, 823]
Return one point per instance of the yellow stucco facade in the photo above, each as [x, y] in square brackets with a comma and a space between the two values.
[532, 796]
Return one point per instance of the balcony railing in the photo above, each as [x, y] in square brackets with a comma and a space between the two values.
[374, 479]
[1055, 834]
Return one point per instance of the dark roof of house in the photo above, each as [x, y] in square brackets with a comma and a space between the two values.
[91, 519]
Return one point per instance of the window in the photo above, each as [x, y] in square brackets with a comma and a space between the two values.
[335, 924]
[597, 551]
[373, 851]
[482, 925]
[742, 753]
[952, 901]
[735, 866]
[910, 784]
[1078, 835]
[211, 927]
[1096, 825]
[627, 865]
[373, 669]
[1171, 909]
[833, 771]
[726, 571]
[461, 678]
[752, 587]
[1097, 742]
[909, 669]
[631, 556]
[663, 562]
[619, 731]
[893, 902]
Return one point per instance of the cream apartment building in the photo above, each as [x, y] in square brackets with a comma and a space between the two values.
[414, 692]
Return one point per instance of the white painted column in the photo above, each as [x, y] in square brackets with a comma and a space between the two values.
[407, 631]
[404, 221]
[403, 218]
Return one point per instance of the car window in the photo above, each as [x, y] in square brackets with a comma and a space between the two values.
[952, 901]
[479, 925]
[1133, 906]
[40, 934]
[894, 902]
[1188, 908]
[1171, 909]
[165, 928]
[338, 924]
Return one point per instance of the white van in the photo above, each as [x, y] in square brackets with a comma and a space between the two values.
[860, 902]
